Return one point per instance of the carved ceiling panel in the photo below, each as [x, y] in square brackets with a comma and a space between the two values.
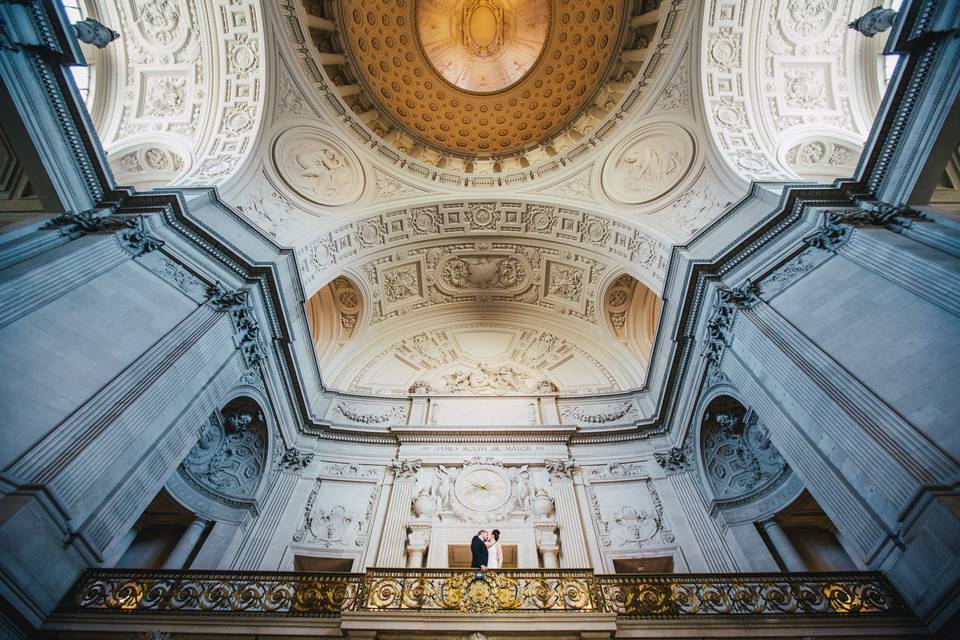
[649, 163]
[494, 271]
[779, 69]
[186, 73]
[494, 354]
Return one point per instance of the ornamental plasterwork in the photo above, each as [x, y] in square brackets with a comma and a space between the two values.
[627, 516]
[230, 455]
[338, 519]
[486, 271]
[347, 243]
[600, 414]
[484, 490]
[317, 167]
[267, 208]
[700, 205]
[369, 414]
[802, 50]
[165, 76]
[594, 125]
[478, 357]
[649, 163]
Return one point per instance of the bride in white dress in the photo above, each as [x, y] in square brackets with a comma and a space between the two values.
[495, 559]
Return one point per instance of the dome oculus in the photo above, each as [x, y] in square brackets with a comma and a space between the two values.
[482, 46]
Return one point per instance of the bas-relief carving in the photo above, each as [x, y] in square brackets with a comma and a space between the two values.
[635, 523]
[648, 164]
[339, 517]
[389, 188]
[484, 490]
[803, 48]
[523, 368]
[317, 167]
[600, 414]
[646, 254]
[368, 414]
[267, 208]
[229, 457]
[698, 206]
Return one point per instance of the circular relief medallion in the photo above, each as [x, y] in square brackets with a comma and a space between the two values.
[648, 164]
[482, 488]
[317, 166]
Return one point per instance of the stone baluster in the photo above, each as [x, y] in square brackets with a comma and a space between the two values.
[568, 516]
[188, 542]
[391, 553]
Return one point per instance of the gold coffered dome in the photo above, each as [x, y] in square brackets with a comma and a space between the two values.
[481, 78]
[483, 46]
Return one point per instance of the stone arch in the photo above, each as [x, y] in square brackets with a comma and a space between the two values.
[335, 314]
[225, 474]
[632, 311]
[738, 463]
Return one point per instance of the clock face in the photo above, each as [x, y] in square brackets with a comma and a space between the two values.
[482, 489]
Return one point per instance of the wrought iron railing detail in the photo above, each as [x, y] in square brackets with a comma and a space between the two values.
[774, 594]
[631, 596]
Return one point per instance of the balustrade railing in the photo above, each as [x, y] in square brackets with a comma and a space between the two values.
[633, 595]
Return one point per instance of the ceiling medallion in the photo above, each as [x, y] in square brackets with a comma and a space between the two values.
[317, 167]
[482, 46]
[649, 163]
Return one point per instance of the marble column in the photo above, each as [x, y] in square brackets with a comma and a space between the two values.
[568, 516]
[417, 543]
[782, 545]
[185, 546]
[394, 535]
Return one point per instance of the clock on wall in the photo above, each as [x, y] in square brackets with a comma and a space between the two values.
[482, 488]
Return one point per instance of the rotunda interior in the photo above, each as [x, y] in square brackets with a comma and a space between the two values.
[303, 298]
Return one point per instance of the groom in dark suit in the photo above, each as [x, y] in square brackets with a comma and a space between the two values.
[478, 549]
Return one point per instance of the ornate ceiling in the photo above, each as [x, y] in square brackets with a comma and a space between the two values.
[461, 164]
[532, 70]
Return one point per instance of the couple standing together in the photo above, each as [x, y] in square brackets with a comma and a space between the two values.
[486, 551]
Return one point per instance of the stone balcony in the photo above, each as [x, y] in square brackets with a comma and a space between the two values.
[386, 603]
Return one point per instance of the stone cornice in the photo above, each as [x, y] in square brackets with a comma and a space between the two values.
[521, 433]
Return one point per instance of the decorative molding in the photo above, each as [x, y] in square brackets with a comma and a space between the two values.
[294, 460]
[560, 468]
[245, 324]
[357, 413]
[405, 468]
[601, 414]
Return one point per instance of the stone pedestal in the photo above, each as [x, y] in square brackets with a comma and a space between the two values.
[548, 544]
[418, 541]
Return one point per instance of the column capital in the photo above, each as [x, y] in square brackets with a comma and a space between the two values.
[560, 468]
[405, 468]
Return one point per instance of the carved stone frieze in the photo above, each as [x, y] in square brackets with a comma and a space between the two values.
[295, 460]
[336, 525]
[369, 414]
[622, 525]
[485, 490]
[600, 414]
[675, 459]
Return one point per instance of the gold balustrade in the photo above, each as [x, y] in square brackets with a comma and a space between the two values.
[124, 591]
